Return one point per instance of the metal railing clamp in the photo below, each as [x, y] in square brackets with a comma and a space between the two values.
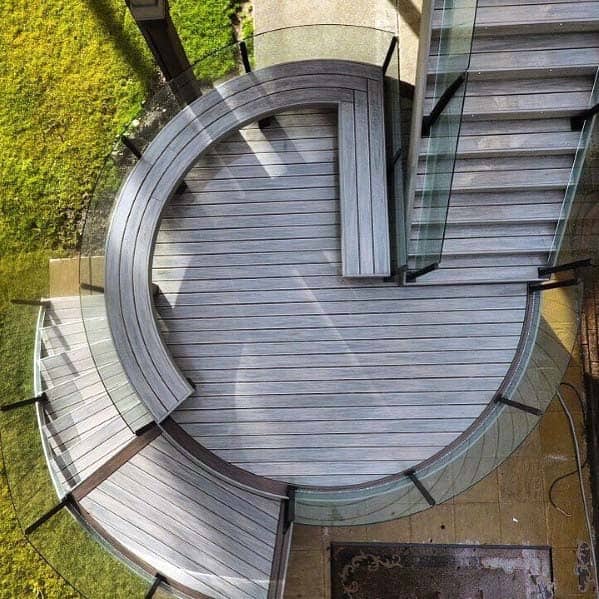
[42, 397]
[411, 474]
[553, 285]
[412, 275]
[549, 270]
[67, 500]
[518, 405]
[130, 145]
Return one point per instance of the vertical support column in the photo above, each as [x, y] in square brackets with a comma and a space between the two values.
[155, 23]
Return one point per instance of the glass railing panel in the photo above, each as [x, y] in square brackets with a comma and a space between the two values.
[497, 434]
[440, 137]
[91, 278]
[397, 108]
[576, 232]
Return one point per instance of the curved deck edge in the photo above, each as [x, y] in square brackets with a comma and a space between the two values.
[136, 217]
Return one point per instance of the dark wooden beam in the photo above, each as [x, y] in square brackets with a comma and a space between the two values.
[155, 23]
[115, 462]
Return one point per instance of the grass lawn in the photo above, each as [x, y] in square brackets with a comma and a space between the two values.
[72, 74]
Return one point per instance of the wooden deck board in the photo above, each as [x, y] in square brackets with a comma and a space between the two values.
[205, 533]
[303, 375]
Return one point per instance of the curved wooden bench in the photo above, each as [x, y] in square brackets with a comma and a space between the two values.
[355, 88]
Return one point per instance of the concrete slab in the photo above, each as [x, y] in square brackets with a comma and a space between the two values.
[400, 17]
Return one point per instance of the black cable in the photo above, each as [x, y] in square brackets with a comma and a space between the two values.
[575, 471]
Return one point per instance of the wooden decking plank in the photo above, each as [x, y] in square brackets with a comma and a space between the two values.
[149, 540]
[348, 189]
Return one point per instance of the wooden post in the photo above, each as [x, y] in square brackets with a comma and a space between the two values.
[155, 23]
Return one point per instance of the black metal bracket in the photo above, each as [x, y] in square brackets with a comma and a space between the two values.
[289, 508]
[183, 187]
[549, 270]
[265, 122]
[394, 159]
[67, 500]
[145, 428]
[411, 474]
[553, 285]
[412, 275]
[389, 54]
[517, 405]
[158, 580]
[442, 102]
[90, 287]
[577, 122]
[28, 302]
[245, 58]
[128, 143]
[42, 397]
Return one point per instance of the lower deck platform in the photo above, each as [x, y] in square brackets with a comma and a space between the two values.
[302, 375]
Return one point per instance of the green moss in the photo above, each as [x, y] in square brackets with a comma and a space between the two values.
[72, 74]
[23, 573]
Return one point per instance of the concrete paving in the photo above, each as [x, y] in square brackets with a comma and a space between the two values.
[401, 17]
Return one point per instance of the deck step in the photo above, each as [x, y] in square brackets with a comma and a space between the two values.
[56, 369]
[507, 182]
[79, 460]
[66, 430]
[493, 215]
[470, 274]
[497, 198]
[522, 144]
[59, 338]
[532, 19]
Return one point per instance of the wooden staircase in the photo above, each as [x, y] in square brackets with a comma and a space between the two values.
[532, 68]
[82, 427]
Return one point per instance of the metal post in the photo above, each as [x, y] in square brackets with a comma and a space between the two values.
[155, 23]
[51, 512]
[158, 580]
[446, 96]
[289, 508]
[245, 59]
[128, 143]
[414, 274]
[92, 288]
[28, 302]
[389, 54]
[577, 122]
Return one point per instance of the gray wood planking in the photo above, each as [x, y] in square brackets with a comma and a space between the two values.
[303, 375]
[191, 526]
[83, 428]
[532, 67]
[193, 131]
